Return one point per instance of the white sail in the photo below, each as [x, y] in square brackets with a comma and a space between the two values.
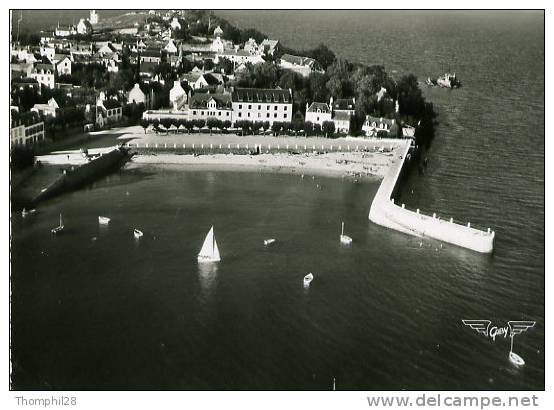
[209, 251]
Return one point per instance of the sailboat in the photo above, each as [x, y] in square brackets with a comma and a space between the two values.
[25, 213]
[308, 279]
[103, 220]
[137, 233]
[209, 251]
[344, 239]
[59, 228]
[514, 357]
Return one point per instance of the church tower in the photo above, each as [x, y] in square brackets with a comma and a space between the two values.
[93, 17]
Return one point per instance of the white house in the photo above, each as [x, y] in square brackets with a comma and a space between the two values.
[44, 74]
[251, 47]
[317, 113]
[239, 56]
[176, 94]
[217, 45]
[47, 110]
[373, 126]
[65, 31]
[84, 27]
[141, 95]
[301, 65]
[339, 112]
[218, 32]
[269, 47]
[171, 47]
[256, 104]
[63, 66]
[175, 25]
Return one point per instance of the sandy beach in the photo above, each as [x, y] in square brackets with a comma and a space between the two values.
[343, 157]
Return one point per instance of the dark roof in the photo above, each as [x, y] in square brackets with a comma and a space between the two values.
[262, 95]
[344, 104]
[341, 116]
[44, 67]
[151, 53]
[110, 104]
[210, 79]
[200, 100]
[323, 107]
[148, 67]
[378, 120]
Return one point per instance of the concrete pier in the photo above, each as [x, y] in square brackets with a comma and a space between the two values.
[386, 213]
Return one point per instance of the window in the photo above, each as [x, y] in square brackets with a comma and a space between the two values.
[267, 115]
[219, 113]
[275, 115]
[240, 106]
[285, 115]
[240, 114]
[227, 114]
[259, 115]
[202, 112]
[259, 107]
[285, 108]
[275, 108]
[248, 115]
[249, 106]
[194, 113]
[317, 119]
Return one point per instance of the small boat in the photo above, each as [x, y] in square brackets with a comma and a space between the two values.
[210, 251]
[59, 228]
[308, 279]
[516, 359]
[269, 241]
[103, 220]
[345, 239]
[25, 213]
[137, 233]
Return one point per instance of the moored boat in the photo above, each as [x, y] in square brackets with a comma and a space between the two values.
[25, 213]
[308, 279]
[345, 239]
[58, 229]
[269, 241]
[137, 233]
[210, 251]
[103, 220]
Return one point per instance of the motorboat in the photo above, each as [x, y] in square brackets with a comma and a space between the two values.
[103, 220]
[308, 279]
[269, 241]
[137, 233]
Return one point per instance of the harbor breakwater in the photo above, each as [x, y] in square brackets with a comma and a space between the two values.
[385, 212]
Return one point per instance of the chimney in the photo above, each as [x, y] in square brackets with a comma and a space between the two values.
[306, 106]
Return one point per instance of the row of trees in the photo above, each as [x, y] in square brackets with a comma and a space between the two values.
[246, 127]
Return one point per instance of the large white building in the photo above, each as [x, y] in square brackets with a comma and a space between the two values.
[25, 129]
[257, 104]
[301, 65]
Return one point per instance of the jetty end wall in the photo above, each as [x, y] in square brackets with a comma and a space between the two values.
[385, 212]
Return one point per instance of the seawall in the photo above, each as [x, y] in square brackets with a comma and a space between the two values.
[385, 212]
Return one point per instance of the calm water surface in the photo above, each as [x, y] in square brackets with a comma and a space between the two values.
[384, 314]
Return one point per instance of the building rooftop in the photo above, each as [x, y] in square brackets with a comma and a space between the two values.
[262, 95]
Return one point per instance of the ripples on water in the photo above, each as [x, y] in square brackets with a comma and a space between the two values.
[385, 314]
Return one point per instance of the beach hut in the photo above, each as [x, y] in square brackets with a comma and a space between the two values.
[162, 127]
[173, 128]
[195, 129]
[182, 128]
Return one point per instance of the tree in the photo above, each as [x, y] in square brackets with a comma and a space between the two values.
[328, 127]
[276, 127]
[144, 124]
[322, 54]
[308, 128]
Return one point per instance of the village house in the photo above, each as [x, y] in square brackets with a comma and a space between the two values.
[217, 45]
[44, 74]
[317, 113]
[63, 66]
[198, 80]
[269, 47]
[218, 32]
[256, 104]
[251, 47]
[108, 112]
[65, 31]
[177, 95]
[84, 27]
[151, 56]
[141, 94]
[374, 126]
[239, 57]
[80, 48]
[47, 110]
[25, 128]
[48, 52]
[175, 25]
[21, 70]
[171, 48]
[24, 82]
[301, 65]
[339, 112]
